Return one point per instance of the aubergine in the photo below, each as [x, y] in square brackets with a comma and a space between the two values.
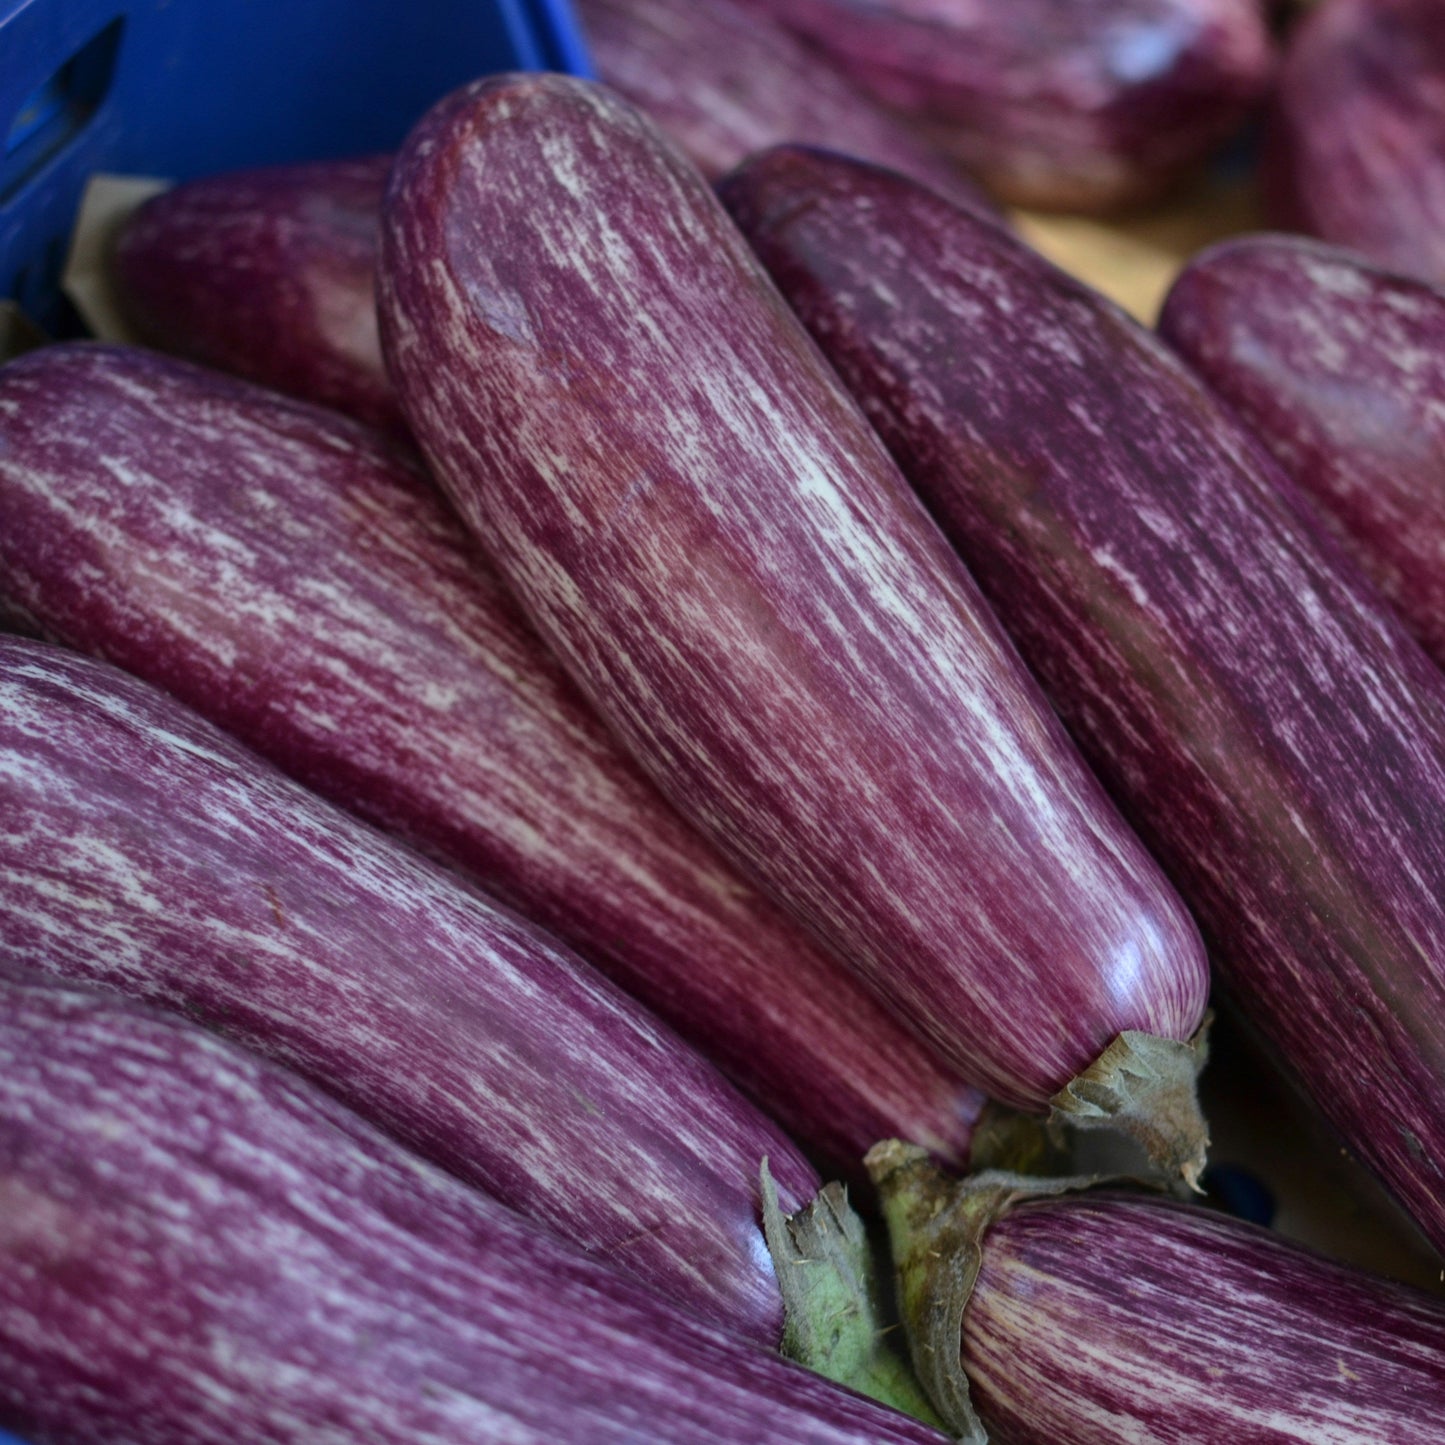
[722, 82]
[703, 528]
[297, 580]
[144, 851]
[1076, 105]
[1338, 367]
[1355, 150]
[1107, 1318]
[198, 1248]
[1270, 728]
[269, 274]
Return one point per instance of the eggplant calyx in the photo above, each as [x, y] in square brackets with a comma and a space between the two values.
[936, 1226]
[836, 1321]
[1144, 1089]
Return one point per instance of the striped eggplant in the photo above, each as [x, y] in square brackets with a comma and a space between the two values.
[704, 529]
[722, 82]
[142, 850]
[1272, 731]
[1338, 368]
[1355, 151]
[197, 1249]
[1062, 104]
[267, 273]
[1115, 1319]
[292, 577]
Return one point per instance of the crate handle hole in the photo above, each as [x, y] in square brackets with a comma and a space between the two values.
[57, 110]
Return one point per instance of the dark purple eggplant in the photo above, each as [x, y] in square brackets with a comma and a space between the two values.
[1338, 368]
[705, 531]
[1269, 727]
[722, 82]
[198, 1249]
[1356, 145]
[295, 579]
[1115, 1319]
[269, 274]
[143, 850]
[1062, 104]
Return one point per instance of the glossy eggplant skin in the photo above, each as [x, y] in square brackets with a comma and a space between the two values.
[722, 81]
[1059, 104]
[297, 580]
[144, 851]
[1338, 367]
[1117, 1320]
[1355, 150]
[199, 1248]
[1268, 726]
[269, 274]
[703, 528]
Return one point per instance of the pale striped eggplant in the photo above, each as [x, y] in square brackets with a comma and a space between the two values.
[1338, 368]
[1270, 728]
[143, 850]
[1062, 104]
[1355, 150]
[706, 532]
[267, 273]
[722, 82]
[295, 579]
[1108, 1318]
[198, 1249]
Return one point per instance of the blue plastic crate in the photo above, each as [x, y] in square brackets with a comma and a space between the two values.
[180, 88]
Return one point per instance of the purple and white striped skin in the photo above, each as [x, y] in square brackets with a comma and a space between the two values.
[197, 1248]
[1338, 368]
[1272, 731]
[722, 82]
[292, 577]
[143, 850]
[1115, 1319]
[1355, 150]
[269, 274]
[1061, 104]
[705, 530]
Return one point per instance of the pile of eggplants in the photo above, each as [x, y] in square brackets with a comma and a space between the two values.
[1271, 729]
[816, 600]
[338, 620]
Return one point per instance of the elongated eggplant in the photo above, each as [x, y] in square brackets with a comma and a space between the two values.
[1270, 728]
[197, 1248]
[723, 81]
[1356, 146]
[1114, 1319]
[267, 273]
[1338, 368]
[1062, 104]
[143, 850]
[704, 529]
[292, 577]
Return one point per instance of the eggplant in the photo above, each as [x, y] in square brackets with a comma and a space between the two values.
[1109, 1318]
[1075, 105]
[144, 851]
[722, 82]
[198, 1248]
[702, 527]
[297, 580]
[1355, 149]
[268, 273]
[1271, 730]
[1338, 367]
